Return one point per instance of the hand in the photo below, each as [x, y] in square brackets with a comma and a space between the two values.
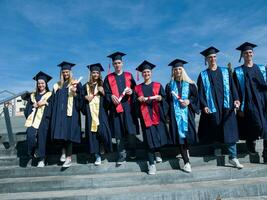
[35, 105]
[115, 100]
[141, 99]
[206, 110]
[129, 91]
[89, 97]
[158, 97]
[237, 104]
[101, 89]
[184, 103]
[73, 88]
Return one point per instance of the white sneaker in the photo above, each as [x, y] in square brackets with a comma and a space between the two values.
[98, 160]
[63, 156]
[187, 168]
[235, 162]
[158, 157]
[41, 163]
[152, 169]
[67, 163]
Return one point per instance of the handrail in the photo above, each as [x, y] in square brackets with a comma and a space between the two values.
[12, 97]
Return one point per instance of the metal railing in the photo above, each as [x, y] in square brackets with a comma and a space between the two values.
[6, 114]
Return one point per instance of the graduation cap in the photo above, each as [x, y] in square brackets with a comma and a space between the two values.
[209, 51]
[145, 65]
[116, 56]
[66, 65]
[95, 67]
[244, 47]
[177, 63]
[43, 76]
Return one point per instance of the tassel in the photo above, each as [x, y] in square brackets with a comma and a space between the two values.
[137, 75]
[109, 68]
[240, 56]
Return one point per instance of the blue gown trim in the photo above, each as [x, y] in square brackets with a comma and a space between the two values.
[181, 114]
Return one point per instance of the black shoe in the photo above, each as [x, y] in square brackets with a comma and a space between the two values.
[132, 155]
[121, 160]
[265, 160]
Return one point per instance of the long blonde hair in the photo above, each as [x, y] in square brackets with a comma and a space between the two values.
[184, 77]
[61, 81]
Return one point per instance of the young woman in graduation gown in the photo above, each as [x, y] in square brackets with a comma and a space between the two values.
[218, 102]
[182, 97]
[250, 79]
[66, 105]
[38, 112]
[150, 101]
[96, 121]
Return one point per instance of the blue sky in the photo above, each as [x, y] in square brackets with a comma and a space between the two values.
[37, 35]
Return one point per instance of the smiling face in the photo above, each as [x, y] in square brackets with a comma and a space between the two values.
[117, 64]
[66, 74]
[248, 55]
[146, 74]
[212, 58]
[95, 75]
[41, 85]
[177, 72]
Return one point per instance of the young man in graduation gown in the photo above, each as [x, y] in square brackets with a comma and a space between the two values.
[119, 94]
[38, 112]
[96, 121]
[218, 100]
[66, 105]
[250, 80]
[183, 102]
[152, 107]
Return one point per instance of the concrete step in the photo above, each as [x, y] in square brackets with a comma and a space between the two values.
[247, 198]
[106, 167]
[128, 179]
[215, 189]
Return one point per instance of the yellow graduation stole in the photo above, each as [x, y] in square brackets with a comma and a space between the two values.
[70, 99]
[94, 108]
[34, 119]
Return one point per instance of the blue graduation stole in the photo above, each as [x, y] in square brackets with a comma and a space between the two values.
[181, 114]
[241, 79]
[226, 89]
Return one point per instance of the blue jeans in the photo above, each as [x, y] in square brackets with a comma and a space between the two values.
[232, 152]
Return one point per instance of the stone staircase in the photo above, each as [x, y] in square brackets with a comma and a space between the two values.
[20, 179]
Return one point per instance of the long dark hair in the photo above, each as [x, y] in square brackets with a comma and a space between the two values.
[91, 82]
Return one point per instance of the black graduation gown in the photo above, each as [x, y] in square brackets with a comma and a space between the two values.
[103, 131]
[64, 127]
[126, 122]
[193, 107]
[220, 126]
[157, 135]
[43, 127]
[253, 124]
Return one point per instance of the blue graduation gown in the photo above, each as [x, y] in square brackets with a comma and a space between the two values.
[193, 107]
[64, 127]
[42, 130]
[254, 122]
[220, 126]
[154, 136]
[103, 132]
[126, 122]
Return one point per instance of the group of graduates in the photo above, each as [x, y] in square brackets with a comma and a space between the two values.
[232, 106]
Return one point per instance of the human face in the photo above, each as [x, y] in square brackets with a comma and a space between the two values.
[146, 74]
[212, 58]
[95, 75]
[248, 55]
[66, 74]
[41, 85]
[117, 64]
[177, 72]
